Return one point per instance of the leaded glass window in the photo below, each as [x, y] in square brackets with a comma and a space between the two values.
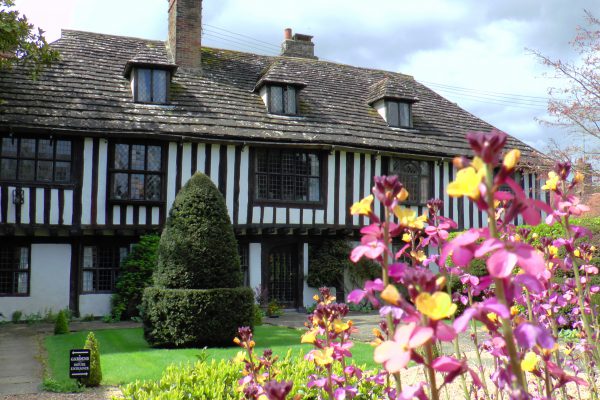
[290, 175]
[151, 85]
[100, 266]
[244, 252]
[136, 172]
[282, 100]
[399, 114]
[14, 270]
[415, 176]
[35, 160]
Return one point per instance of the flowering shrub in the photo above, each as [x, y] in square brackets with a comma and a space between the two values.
[513, 310]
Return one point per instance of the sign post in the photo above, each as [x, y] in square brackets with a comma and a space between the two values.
[79, 363]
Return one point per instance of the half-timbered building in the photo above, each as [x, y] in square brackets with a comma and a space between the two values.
[93, 153]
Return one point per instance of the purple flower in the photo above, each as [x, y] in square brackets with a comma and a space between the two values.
[278, 390]
[528, 335]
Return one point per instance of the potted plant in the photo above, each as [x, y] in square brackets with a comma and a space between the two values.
[274, 309]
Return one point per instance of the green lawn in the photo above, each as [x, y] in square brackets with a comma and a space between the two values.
[126, 357]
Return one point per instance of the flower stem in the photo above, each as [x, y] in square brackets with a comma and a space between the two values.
[431, 372]
[515, 365]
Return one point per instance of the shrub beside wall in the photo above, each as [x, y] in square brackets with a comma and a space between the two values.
[135, 275]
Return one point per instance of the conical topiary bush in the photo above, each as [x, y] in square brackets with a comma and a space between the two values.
[196, 299]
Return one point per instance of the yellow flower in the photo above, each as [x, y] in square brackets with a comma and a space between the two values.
[529, 361]
[511, 159]
[316, 297]
[403, 195]
[390, 294]
[577, 253]
[408, 217]
[309, 337]
[362, 207]
[514, 310]
[553, 250]
[578, 177]
[466, 184]
[406, 237]
[534, 235]
[492, 317]
[551, 182]
[418, 255]
[436, 306]
[239, 357]
[323, 357]
[340, 326]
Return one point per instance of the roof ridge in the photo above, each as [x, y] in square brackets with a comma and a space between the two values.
[65, 30]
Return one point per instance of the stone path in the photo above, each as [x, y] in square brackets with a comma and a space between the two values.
[21, 371]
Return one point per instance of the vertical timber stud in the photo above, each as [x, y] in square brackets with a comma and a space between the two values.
[74, 277]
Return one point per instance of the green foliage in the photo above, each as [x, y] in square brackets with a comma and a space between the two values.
[95, 369]
[134, 276]
[194, 317]
[219, 381]
[19, 43]
[61, 326]
[257, 315]
[327, 263]
[274, 309]
[197, 248]
[56, 386]
[16, 316]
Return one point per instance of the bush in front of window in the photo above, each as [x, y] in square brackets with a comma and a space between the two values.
[198, 249]
[197, 299]
[134, 276]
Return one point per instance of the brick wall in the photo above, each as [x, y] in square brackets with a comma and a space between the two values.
[185, 32]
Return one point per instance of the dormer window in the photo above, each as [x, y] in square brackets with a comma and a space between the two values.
[282, 99]
[150, 85]
[399, 114]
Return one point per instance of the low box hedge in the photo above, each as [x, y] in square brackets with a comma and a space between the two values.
[195, 317]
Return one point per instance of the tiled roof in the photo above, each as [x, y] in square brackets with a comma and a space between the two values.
[86, 91]
[393, 87]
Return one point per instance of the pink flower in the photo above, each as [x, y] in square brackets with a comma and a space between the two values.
[371, 246]
[395, 354]
[462, 248]
[506, 255]
[357, 295]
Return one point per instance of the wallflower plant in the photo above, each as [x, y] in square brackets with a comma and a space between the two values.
[513, 314]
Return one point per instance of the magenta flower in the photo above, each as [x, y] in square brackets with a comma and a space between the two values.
[528, 335]
[357, 295]
[463, 247]
[371, 246]
[395, 354]
[479, 311]
[506, 255]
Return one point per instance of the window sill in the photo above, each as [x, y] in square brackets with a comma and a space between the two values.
[44, 185]
[14, 295]
[149, 203]
[155, 105]
[287, 116]
[289, 203]
[98, 292]
[403, 128]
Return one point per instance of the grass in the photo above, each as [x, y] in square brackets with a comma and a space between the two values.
[126, 357]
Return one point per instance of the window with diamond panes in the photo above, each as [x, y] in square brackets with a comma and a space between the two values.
[151, 85]
[14, 270]
[101, 267]
[399, 114]
[288, 175]
[245, 262]
[416, 178]
[282, 100]
[136, 172]
[35, 160]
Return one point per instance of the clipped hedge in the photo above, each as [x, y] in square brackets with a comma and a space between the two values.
[194, 317]
[198, 249]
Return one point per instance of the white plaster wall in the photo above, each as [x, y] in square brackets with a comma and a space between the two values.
[380, 107]
[95, 304]
[49, 282]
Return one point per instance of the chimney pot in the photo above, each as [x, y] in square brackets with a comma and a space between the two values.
[287, 33]
[298, 45]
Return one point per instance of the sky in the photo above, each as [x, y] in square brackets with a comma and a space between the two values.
[476, 53]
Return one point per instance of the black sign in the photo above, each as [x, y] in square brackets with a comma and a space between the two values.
[79, 363]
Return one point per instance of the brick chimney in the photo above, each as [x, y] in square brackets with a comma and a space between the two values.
[185, 32]
[298, 45]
